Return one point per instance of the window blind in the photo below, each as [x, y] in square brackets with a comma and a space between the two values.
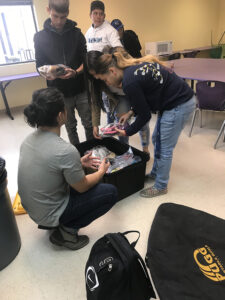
[16, 2]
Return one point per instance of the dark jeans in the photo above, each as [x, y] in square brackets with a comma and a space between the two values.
[84, 208]
[80, 102]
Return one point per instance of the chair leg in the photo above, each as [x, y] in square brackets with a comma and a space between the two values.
[200, 118]
[193, 121]
[220, 133]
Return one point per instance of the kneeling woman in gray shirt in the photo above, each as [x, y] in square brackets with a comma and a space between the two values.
[51, 182]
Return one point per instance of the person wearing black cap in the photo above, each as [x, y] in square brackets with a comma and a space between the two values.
[128, 38]
[101, 33]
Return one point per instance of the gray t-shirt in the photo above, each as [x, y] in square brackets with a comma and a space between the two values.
[47, 166]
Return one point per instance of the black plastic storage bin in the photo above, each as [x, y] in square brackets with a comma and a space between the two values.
[130, 179]
[9, 234]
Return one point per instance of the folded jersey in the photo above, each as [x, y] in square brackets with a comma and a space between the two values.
[110, 129]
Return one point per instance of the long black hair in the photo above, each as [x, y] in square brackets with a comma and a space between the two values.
[96, 84]
[92, 60]
[44, 108]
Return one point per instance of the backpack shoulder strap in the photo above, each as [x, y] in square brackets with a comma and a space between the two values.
[133, 244]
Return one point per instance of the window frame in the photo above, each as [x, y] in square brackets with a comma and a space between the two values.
[21, 3]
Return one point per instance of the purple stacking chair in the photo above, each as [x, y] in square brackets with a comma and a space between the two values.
[222, 130]
[209, 98]
[191, 54]
[173, 56]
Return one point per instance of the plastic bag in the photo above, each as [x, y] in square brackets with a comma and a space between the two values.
[116, 162]
[51, 72]
[101, 152]
[122, 161]
[110, 129]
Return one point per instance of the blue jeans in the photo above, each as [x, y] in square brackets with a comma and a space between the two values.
[144, 134]
[123, 107]
[84, 208]
[172, 123]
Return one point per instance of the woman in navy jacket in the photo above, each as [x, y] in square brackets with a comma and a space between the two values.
[151, 87]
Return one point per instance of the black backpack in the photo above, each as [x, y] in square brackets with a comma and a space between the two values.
[186, 254]
[115, 270]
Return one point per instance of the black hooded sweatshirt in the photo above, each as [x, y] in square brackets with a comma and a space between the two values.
[67, 47]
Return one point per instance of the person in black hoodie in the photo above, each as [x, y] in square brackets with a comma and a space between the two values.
[61, 42]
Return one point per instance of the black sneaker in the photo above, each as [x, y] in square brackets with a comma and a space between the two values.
[68, 240]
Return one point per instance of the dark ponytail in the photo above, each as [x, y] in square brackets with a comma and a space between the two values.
[44, 108]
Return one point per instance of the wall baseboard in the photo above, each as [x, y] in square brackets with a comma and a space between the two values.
[14, 110]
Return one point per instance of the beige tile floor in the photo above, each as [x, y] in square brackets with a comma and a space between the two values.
[44, 272]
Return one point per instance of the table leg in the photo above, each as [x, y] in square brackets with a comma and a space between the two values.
[5, 101]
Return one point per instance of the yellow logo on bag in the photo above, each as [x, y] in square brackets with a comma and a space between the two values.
[209, 264]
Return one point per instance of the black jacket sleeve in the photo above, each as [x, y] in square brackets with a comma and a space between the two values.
[131, 43]
[82, 47]
[140, 107]
[39, 55]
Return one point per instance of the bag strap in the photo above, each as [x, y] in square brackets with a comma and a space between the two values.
[133, 244]
[142, 263]
[117, 247]
[144, 267]
[123, 256]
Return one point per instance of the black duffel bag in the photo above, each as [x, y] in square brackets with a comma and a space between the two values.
[115, 270]
[186, 254]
